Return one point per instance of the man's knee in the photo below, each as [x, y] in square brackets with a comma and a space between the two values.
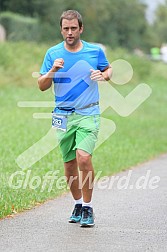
[84, 161]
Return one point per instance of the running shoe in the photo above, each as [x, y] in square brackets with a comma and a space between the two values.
[87, 218]
[76, 214]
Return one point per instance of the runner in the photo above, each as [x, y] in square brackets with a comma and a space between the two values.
[75, 66]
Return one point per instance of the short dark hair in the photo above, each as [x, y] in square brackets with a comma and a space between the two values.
[71, 14]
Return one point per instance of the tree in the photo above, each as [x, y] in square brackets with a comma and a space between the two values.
[117, 23]
[126, 25]
[160, 24]
[28, 8]
[112, 22]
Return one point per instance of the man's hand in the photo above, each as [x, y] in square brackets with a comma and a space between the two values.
[96, 75]
[58, 63]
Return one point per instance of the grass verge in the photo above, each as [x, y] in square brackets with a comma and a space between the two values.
[138, 137]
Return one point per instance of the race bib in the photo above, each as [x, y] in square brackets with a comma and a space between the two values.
[59, 122]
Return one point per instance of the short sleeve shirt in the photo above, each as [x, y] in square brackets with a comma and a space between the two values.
[72, 84]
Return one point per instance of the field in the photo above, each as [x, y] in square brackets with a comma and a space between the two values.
[138, 137]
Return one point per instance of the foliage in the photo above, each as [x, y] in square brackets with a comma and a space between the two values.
[112, 22]
[160, 25]
[107, 21]
[30, 8]
[19, 27]
[138, 137]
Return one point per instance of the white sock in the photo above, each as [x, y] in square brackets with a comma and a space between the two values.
[79, 201]
[88, 204]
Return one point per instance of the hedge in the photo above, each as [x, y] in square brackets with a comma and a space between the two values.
[19, 27]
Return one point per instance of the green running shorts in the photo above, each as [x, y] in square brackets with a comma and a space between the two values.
[82, 132]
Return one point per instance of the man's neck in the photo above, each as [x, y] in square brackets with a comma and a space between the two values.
[74, 48]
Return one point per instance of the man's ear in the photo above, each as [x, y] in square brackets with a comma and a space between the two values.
[81, 29]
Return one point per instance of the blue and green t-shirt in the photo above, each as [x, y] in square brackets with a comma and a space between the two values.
[72, 84]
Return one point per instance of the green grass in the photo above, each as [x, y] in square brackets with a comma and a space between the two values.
[138, 137]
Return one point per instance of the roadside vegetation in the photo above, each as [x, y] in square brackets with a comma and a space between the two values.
[139, 137]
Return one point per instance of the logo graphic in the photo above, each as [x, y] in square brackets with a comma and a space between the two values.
[75, 89]
[109, 97]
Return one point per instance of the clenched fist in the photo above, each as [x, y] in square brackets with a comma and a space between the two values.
[58, 63]
[96, 75]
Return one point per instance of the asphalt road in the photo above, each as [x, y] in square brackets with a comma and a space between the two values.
[131, 215]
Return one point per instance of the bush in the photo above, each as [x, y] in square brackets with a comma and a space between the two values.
[19, 27]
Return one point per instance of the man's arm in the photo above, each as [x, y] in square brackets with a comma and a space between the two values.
[45, 81]
[107, 73]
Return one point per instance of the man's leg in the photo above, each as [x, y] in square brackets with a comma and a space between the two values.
[72, 175]
[87, 174]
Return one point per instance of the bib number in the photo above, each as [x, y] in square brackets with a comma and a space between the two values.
[59, 122]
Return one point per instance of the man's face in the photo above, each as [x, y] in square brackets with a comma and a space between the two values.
[71, 31]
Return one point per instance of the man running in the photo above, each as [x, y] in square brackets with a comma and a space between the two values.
[75, 66]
